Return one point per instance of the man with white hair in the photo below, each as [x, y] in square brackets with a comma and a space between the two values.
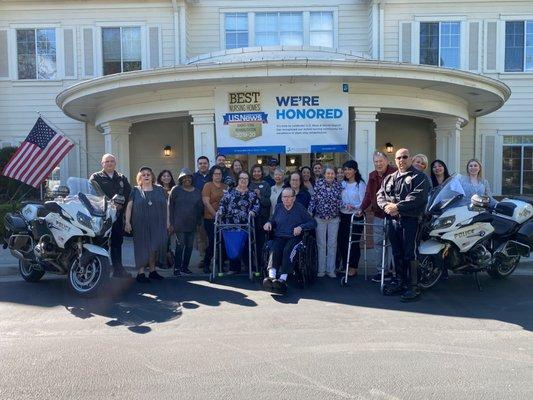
[290, 219]
[108, 182]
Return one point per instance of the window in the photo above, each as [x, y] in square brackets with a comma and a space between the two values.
[440, 44]
[236, 27]
[284, 29]
[121, 49]
[36, 54]
[321, 29]
[517, 168]
[279, 28]
[518, 46]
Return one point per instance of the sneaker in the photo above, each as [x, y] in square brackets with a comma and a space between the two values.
[411, 294]
[279, 286]
[332, 274]
[268, 284]
[377, 278]
[154, 275]
[321, 274]
[393, 288]
[141, 278]
[120, 272]
[186, 271]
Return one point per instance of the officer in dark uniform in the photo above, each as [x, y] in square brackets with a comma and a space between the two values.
[403, 197]
[109, 183]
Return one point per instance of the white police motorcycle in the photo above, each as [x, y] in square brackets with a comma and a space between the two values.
[468, 239]
[66, 236]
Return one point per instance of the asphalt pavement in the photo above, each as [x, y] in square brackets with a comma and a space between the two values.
[185, 338]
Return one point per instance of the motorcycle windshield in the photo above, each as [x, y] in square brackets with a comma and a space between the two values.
[82, 190]
[446, 195]
[80, 185]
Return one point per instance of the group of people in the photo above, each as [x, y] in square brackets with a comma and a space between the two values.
[320, 198]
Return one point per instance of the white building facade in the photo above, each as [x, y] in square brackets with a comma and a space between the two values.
[450, 79]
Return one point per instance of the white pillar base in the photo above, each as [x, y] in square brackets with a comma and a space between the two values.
[448, 146]
[365, 138]
[117, 142]
[203, 122]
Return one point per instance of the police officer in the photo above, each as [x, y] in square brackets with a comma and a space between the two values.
[403, 197]
[108, 182]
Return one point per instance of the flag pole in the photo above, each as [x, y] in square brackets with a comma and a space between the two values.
[57, 129]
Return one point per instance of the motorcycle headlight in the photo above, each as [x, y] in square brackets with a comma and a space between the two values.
[443, 223]
[84, 220]
[97, 223]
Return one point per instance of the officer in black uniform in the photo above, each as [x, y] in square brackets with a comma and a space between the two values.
[403, 197]
[109, 183]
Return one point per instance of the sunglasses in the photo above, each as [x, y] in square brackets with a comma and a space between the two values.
[404, 157]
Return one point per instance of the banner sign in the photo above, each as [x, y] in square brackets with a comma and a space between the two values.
[282, 118]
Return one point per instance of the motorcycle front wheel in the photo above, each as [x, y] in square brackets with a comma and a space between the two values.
[88, 274]
[29, 272]
[503, 267]
[429, 272]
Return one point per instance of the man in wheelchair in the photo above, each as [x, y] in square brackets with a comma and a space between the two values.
[288, 222]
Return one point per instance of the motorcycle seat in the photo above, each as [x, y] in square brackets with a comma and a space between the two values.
[503, 226]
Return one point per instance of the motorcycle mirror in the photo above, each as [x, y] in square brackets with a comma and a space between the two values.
[60, 191]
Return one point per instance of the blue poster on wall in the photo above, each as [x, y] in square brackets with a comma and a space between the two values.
[282, 118]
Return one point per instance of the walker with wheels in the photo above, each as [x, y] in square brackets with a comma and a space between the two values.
[234, 237]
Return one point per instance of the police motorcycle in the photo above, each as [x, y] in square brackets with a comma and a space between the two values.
[467, 239]
[66, 236]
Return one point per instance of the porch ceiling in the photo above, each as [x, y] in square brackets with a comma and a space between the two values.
[477, 95]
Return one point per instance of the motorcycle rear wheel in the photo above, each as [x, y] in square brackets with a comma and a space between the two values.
[503, 269]
[29, 273]
[88, 275]
[428, 273]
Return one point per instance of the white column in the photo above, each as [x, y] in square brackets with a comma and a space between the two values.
[365, 138]
[203, 123]
[448, 146]
[117, 142]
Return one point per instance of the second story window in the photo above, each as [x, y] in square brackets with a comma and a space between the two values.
[321, 29]
[236, 28]
[440, 44]
[36, 54]
[284, 29]
[518, 46]
[121, 49]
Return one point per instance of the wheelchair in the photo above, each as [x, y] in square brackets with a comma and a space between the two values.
[304, 256]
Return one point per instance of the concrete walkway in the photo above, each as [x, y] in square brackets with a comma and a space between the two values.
[9, 264]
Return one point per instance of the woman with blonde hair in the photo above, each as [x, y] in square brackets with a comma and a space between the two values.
[473, 183]
[420, 162]
[146, 218]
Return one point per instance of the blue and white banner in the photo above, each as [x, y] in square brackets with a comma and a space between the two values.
[281, 118]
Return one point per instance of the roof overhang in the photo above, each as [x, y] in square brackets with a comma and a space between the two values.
[372, 83]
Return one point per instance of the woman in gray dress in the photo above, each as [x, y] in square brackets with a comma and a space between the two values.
[146, 217]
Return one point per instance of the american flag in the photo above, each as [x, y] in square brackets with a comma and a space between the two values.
[38, 155]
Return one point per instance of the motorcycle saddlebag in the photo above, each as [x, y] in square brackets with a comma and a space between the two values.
[525, 234]
[15, 224]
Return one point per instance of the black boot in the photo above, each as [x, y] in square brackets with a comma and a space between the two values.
[413, 292]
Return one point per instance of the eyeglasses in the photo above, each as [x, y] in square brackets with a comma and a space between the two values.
[217, 173]
[404, 157]
[243, 179]
[287, 197]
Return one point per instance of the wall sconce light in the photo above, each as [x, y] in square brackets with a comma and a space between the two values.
[389, 147]
[292, 160]
[260, 161]
[167, 151]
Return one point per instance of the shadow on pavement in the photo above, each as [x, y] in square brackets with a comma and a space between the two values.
[127, 303]
[509, 300]
[138, 306]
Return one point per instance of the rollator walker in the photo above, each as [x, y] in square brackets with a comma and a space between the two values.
[354, 240]
[234, 235]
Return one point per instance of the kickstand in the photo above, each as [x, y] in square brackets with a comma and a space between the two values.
[479, 287]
